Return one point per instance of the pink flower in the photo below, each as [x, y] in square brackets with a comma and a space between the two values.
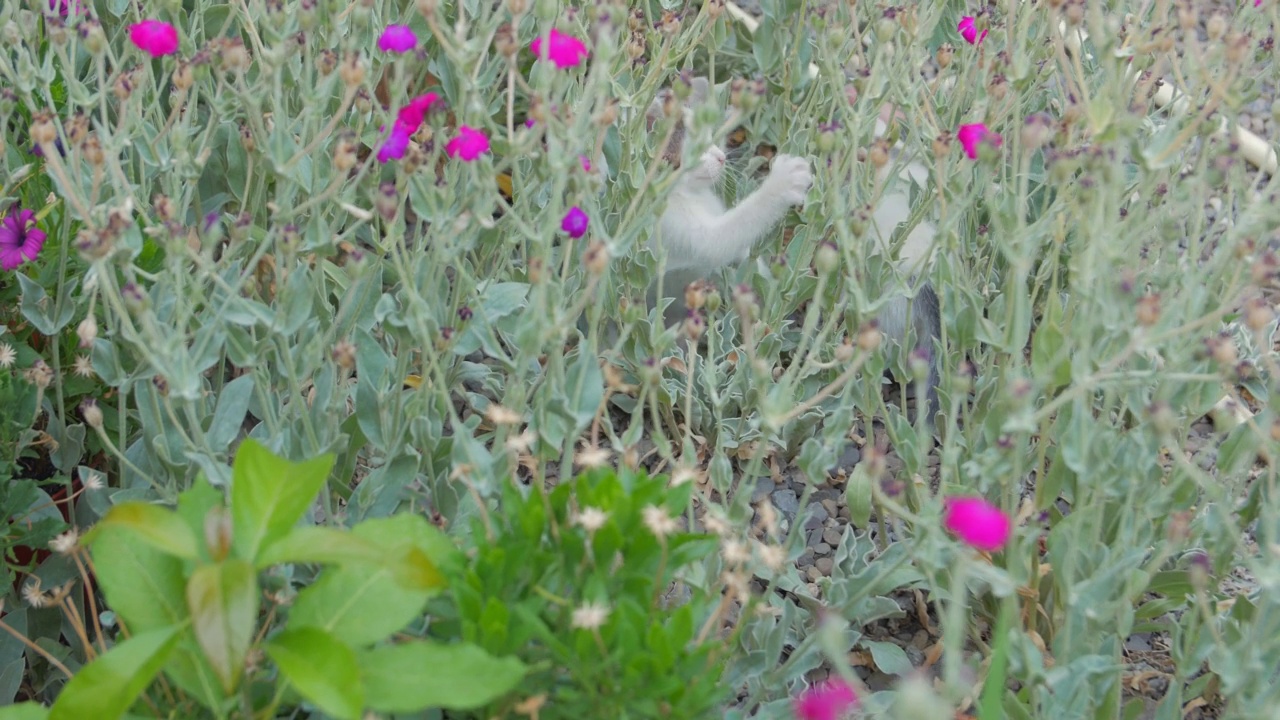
[586, 162]
[397, 39]
[411, 115]
[969, 32]
[827, 701]
[408, 120]
[974, 135]
[563, 50]
[468, 145]
[20, 239]
[977, 522]
[575, 222]
[154, 37]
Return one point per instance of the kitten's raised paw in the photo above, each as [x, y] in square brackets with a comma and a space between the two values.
[791, 178]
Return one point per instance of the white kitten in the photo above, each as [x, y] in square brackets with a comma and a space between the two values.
[697, 232]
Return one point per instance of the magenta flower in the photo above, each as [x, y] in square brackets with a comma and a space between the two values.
[408, 120]
[974, 135]
[977, 522]
[827, 701]
[563, 50]
[154, 37]
[397, 39]
[575, 222]
[468, 145]
[20, 239]
[970, 32]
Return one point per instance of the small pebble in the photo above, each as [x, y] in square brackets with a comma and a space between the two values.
[831, 536]
[822, 549]
[823, 565]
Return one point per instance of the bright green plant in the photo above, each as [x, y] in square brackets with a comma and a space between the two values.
[187, 587]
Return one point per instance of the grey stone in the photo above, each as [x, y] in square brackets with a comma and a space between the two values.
[786, 502]
[824, 565]
[831, 536]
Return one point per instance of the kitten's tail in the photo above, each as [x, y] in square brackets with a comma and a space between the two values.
[926, 316]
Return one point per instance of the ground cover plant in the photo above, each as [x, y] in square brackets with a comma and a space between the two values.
[333, 384]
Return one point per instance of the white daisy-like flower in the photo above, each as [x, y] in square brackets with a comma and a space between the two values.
[7, 356]
[773, 556]
[658, 521]
[735, 552]
[83, 366]
[716, 524]
[92, 481]
[66, 543]
[682, 475]
[590, 616]
[499, 415]
[591, 519]
[592, 457]
[32, 594]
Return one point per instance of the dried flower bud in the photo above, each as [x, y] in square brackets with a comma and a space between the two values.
[122, 87]
[87, 331]
[695, 295]
[163, 207]
[344, 152]
[504, 39]
[91, 413]
[517, 7]
[827, 257]
[344, 354]
[326, 61]
[135, 298]
[43, 131]
[387, 202]
[869, 336]
[878, 155]
[670, 24]
[428, 8]
[942, 146]
[998, 87]
[95, 41]
[608, 115]
[352, 70]
[1258, 314]
[945, 53]
[694, 325]
[1036, 131]
[246, 138]
[1216, 27]
[77, 128]
[1148, 310]
[596, 258]
[233, 56]
[845, 350]
[1222, 349]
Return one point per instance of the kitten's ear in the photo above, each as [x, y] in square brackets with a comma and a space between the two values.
[701, 90]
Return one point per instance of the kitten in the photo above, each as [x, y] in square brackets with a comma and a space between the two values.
[698, 232]
[922, 313]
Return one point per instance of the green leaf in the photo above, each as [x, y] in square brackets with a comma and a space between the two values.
[144, 586]
[223, 600]
[24, 711]
[159, 527]
[233, 403]
[889, 658]
[417, 675]
[362, 604]
[270, 494]
[323, 669]
[107, 687]
[408, 564]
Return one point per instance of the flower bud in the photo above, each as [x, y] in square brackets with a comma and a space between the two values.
[326, 61]
[344, 354]
[596, 258]
[1258, 314]
[386, 201]
[827, 257]
[43, 131]
[87, 331]
[695, 295]
[945, 53]
[869, 336]
[1036, 131]
[878, 155]
[694, 325]
[92, 413]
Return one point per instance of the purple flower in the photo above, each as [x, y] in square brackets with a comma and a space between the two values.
[575, 223]
[20, 239]
[397, 39]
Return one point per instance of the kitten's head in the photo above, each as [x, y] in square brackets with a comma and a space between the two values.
[705, 170]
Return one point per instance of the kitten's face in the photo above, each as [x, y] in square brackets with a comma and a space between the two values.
[707, 171]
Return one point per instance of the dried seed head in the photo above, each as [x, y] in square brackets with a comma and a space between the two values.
[695, 295]
[387, 201]
[352, 70]
[505, 41]
[87, 331]
[77, 128]
[39, 374]
[942, 146]
[246, 137]
[694, 325]
[1148, 310]
[1037, 129]
[596, 258]
[344, 152]
[344, 354]
[878, 155]
[1222, 349]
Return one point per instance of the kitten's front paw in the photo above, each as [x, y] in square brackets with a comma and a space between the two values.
[791, 178]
